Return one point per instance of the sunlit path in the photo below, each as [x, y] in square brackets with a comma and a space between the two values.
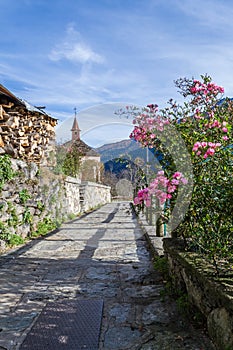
[101, 257]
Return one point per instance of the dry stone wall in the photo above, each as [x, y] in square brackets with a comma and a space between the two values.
[37, 195]
[211, 294]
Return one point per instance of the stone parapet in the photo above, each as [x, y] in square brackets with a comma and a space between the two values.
[93, 194]
[211, 294]
[72, 195]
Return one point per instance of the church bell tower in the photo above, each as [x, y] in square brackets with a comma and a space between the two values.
[75, 128]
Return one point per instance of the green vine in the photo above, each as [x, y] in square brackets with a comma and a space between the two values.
[13, 219]
[40, 206]
[6, 171]
[4, 231]
[27, 216]
[24, 196]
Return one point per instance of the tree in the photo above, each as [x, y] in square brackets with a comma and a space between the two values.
[71, 163]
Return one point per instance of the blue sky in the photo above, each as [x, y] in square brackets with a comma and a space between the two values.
[91, 54]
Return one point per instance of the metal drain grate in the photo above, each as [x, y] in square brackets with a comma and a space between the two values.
[66, 325]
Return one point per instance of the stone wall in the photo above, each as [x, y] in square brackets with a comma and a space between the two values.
[211, 294]
[37, 195]
[93, 194]
[71, 199]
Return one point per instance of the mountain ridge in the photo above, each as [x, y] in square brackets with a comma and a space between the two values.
[127, 148]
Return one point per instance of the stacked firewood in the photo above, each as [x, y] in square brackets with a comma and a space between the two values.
[25, 133]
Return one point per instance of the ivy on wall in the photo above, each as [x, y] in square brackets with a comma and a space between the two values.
[6, 171]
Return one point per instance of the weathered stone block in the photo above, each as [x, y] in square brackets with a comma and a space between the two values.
[220, 327]
[2, 245]
[23, 230]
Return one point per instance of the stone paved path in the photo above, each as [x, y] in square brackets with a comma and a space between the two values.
[101, 255]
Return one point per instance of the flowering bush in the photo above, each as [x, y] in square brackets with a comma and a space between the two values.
[161, 187]
[204, 122]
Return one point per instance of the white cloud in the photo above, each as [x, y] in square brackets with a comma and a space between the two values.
[74, 49]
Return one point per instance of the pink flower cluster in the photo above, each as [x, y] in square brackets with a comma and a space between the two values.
[143, 196]
[204, 92]
[161, 187]
[147, 124]
[206, 89]
[213, 123]
[209, 148]
[217, 124]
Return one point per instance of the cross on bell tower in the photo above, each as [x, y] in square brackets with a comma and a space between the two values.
[75, 128]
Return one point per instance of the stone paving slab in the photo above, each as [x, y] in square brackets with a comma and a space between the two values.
[103, 255]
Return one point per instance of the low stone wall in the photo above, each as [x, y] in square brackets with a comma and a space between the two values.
[212, 295]
[36, 195]
[71, 199]
[93, 194]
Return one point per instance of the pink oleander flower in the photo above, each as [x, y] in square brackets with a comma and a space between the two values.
[210, 151]
[218, 144]
[196, 146]
[174, 182]
[221, 89]
[184, 180]
[137, 201]
[215, 124]
[224, 129]
[177, 175]
[162, 198]
[193, 90]
[225, 138]
[171, 188]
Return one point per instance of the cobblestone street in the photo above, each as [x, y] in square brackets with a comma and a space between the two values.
[102, 255]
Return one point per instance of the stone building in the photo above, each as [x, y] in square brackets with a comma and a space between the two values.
[26, 132]
[90, 159]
